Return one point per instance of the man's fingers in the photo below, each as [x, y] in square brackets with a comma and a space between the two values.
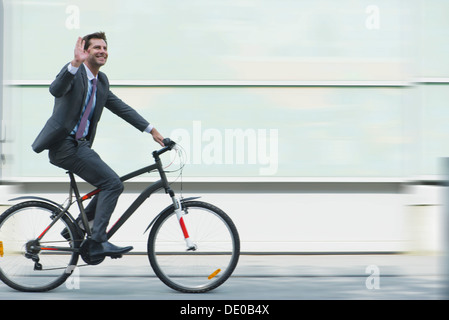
[160, 140]
[80, 43]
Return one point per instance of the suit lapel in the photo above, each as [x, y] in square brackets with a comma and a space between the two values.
[100, 98]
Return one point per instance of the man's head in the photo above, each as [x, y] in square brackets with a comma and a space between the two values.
[97, 35]
[97, 47]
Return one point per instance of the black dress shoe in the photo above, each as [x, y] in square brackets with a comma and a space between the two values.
[101, 249]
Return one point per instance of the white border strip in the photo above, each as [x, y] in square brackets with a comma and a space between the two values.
[20, 180]
[155, 83]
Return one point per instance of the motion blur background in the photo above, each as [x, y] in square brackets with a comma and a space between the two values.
[318, 125]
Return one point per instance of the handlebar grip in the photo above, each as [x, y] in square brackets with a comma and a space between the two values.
[168, 145]
[167, 142]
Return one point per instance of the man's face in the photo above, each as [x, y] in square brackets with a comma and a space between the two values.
[98, 52]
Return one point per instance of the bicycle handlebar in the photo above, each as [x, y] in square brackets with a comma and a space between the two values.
[168, 145]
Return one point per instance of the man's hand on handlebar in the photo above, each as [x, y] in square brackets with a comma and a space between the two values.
[168, 145]
[157, 137]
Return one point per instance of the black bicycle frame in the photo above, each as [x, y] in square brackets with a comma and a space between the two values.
[160, 184]
[145, 194]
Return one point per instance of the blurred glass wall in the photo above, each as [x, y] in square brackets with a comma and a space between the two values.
[250, 88]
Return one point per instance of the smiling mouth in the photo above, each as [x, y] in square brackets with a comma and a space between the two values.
[101, 58]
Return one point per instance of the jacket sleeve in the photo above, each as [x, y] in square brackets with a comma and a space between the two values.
[63, 83]
[124, 111]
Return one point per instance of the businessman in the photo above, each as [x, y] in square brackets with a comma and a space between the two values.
[81, 92]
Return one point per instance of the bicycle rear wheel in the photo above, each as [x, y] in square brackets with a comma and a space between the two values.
[30, 265]
[212, 262]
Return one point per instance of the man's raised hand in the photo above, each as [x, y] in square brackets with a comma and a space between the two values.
[80, 55]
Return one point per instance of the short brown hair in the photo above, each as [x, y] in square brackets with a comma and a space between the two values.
[97, 35]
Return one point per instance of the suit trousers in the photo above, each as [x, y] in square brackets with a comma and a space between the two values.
[78, 157]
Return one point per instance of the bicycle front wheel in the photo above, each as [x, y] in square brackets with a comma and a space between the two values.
[30, 265]
[216, 253]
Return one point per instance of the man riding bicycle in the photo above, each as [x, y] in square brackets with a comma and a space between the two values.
[81, 92]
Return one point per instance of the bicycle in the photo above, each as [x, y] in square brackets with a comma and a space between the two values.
[193, 246]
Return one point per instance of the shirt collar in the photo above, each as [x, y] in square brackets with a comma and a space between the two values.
[89, 73]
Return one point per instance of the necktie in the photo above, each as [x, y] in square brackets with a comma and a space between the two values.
[83, 123]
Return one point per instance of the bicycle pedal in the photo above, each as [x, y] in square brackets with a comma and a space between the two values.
[116, 256]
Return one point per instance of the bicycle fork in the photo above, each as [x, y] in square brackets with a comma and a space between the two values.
[180, 214]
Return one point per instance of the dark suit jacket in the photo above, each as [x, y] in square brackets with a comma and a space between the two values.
[70, 93]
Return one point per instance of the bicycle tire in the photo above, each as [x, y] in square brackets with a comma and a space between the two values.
[206, 268]
[24, 222]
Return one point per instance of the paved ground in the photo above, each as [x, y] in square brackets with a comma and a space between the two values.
[265, 277]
